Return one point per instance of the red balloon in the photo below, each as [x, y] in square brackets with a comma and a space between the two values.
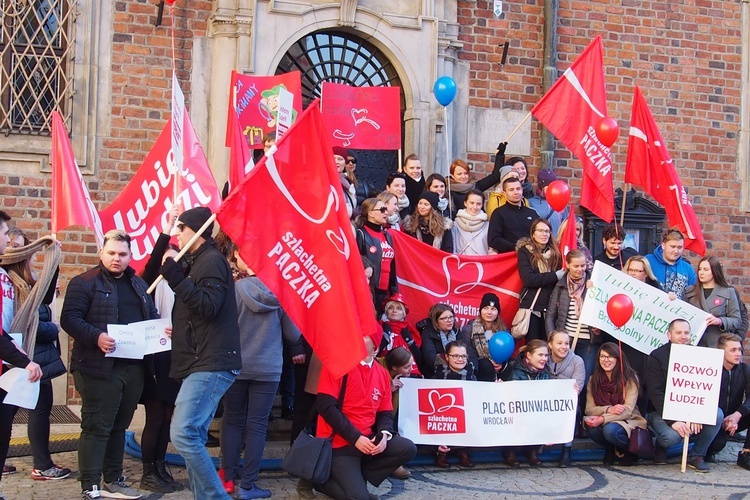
[558, 195]
[619, 309]
[170, 2]
[607, 130]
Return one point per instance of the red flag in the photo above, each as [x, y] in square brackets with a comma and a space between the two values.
[569, 238]
[571, 109]
[141, 208]
[362, 117]
[427, 276]
[71, 203]
[296, 236]
[240, 158]
[650, 166]
[257, 103]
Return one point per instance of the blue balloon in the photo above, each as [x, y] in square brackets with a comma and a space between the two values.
[501, 346]
[445, 90]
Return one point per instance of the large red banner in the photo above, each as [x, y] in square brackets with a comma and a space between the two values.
[292, 229]
[256, 101]
[650, 166]
[141, 208]
[428, 276]
[362, 117]
[571, 109]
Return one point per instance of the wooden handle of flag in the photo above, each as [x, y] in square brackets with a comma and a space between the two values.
[685, 451]
[625, 190]
[518, 127]
[575, 336]
[184, 250]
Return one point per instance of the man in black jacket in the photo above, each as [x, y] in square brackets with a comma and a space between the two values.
[734, 398]
[613, 254]
[110, 388]
[512, 221]
[669, 433]
[205, 345]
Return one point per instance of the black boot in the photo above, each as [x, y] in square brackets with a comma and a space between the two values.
[565, 460]
[152, 481]
[166, 476]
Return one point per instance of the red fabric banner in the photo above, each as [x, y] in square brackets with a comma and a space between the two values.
[569, 238]
[428, 276]
[362, 117]
[650, 166]
[141, 208]
[571, 109]
[71, 203]
[292, 229]
[256, 101]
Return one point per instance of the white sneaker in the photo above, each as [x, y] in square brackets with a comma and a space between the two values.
[92, 494]
[118, 489]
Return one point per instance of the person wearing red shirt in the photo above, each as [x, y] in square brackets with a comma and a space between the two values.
[365, 446]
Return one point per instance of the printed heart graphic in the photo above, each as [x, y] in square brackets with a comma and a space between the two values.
[339, 242]
[360, 116]
[440, 403]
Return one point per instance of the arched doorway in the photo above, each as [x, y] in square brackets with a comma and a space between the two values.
[344, 57]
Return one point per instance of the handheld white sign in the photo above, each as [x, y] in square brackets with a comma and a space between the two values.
[135, 340]
[693, 383]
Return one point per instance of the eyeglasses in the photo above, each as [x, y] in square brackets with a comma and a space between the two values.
[446, 318]
[382, 210]
[352, 161]
[604, 357]
[458, 356]
[180, 226]
[639, 271]
[543, 231]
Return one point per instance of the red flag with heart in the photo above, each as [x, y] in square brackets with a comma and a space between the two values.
[362, 117]
[141, 208]
[70, 201]
[427, 276]
[569, 238]
[650, 166]
[292, 229]
[256, 103]
[571, 109]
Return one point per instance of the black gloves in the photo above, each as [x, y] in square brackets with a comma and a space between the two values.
[501, 148]
[172, 272]
[407, 336]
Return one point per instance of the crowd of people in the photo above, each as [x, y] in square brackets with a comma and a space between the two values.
[232, 340]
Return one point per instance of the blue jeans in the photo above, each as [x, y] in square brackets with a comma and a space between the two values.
[588, 353]
[247, 406]
[666, 436]
[610, 434]
[194, 409]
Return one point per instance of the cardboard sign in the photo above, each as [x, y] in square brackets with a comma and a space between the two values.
[460, 413]
[693, 384]
[653, 310]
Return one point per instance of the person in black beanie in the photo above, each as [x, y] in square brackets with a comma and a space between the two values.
[428, 225]
[415, 182]
[205, 345]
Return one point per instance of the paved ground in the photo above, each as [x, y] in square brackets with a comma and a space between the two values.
[583, 480]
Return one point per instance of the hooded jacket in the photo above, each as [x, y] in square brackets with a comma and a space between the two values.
[672, 277]
[571, 367]
[264, 326]
[205, 335]
[521, 371]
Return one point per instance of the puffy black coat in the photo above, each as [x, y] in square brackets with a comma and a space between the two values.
[735, 390]
[90, 305]
[432, 347]
[205, 333]
[47, 348]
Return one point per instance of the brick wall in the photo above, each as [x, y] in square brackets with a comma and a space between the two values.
[685, 56]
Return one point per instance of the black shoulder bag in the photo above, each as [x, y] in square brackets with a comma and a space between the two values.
[310, 457]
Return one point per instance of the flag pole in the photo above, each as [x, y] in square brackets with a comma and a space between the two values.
[398, 167]
[518, 127]
[622, 208]
[683, 466]
[184, 250]
[575, 336]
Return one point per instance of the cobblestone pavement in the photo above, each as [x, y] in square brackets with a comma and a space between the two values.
[583, 480]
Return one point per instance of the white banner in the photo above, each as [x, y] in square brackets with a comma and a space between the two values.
[459, 413]
[693, 383]
[653, 310]
[178, 122]
[286, 112]
[135, 340]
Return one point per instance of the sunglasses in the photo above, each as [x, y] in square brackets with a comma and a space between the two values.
[180, 226]
[352, 161]
[382, 210]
